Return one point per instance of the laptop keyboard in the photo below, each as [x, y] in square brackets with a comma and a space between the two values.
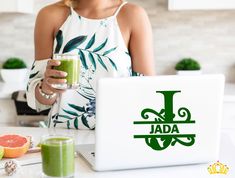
[93, 154]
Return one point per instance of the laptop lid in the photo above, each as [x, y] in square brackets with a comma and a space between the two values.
[157, 121]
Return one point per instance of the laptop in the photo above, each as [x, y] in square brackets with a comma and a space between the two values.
[144, 122]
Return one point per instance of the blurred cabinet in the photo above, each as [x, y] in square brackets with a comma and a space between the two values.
[14, 109]
[7, 112]
[6, 89]
[201, 4]
[7, 106]
[16, 6]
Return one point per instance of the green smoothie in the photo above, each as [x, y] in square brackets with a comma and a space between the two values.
[72, 67]
[58, 157]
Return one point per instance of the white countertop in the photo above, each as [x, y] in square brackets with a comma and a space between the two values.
[83, 170]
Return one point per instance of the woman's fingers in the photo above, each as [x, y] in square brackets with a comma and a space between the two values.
[50, 81]
[55, 73]
[53, 76]
[51, 63]
[50, 72]
[54, 90]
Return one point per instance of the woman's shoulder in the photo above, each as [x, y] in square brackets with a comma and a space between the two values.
[54, 13]
[133, 10]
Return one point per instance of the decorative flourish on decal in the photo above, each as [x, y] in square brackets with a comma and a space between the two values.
[164, 131]
[159, 118]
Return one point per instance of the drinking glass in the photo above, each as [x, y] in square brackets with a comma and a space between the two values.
[57, 156]
[71, 65]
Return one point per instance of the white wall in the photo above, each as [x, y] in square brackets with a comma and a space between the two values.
[208, 36]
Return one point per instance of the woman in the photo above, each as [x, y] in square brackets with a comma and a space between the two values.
[117, 34]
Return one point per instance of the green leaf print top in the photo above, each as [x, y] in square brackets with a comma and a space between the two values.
[102, 52]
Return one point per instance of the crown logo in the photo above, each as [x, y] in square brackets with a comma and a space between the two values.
[218, 168]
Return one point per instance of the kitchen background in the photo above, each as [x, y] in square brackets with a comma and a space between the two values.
[207, 36]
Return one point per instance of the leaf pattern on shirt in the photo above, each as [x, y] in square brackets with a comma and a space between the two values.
[93, 55]
[91, 52]
[74, 43]
[75, 113]
[59, 41]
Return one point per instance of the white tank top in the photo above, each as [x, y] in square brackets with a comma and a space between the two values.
[103, 53]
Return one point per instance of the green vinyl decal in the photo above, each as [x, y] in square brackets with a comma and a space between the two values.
[164, 127]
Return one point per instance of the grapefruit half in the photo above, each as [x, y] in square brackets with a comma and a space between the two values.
[14, 145]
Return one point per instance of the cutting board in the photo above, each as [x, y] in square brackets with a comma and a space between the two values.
[27, 159]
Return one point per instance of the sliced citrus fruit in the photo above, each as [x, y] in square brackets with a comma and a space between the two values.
[14, 145]
[1, 152]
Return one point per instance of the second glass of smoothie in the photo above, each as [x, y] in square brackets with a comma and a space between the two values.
[57, 156]
[71, 65]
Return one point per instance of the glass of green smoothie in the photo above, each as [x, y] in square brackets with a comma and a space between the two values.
[57, 156]
[71, 65]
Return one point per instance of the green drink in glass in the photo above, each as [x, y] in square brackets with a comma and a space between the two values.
[71, 65]
[57, 156]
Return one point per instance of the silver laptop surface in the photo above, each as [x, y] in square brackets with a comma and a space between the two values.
[156, 121]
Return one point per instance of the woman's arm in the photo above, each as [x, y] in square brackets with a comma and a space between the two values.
[47, 24]
[140, 40]
[43, 42]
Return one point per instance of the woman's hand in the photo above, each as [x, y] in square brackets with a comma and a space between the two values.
[52, 76]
